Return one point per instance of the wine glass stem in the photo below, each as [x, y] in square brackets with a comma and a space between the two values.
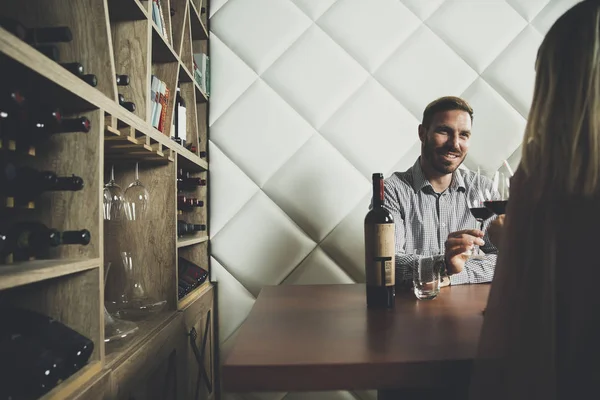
[136, 172]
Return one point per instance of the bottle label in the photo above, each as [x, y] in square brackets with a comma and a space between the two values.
[380, 250]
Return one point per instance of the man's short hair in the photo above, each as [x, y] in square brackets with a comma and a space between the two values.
[446, 103]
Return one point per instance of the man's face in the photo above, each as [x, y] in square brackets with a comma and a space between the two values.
[445, 143]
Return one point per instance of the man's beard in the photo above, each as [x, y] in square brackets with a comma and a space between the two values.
[433, 156]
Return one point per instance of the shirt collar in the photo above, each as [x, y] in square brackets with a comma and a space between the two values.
[419, 181]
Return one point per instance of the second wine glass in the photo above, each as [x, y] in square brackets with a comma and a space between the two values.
[136, 198]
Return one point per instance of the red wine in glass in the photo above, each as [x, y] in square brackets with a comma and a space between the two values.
[497, 207]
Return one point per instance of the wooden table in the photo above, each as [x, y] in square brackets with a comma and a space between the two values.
[322, 337]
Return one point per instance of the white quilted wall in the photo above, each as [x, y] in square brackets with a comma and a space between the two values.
[309, 97]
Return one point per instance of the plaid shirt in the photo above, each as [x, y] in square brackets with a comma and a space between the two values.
[424, 219]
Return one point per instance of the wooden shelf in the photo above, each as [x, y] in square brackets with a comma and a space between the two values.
[118, 351]
[23, 273]
[69, 283]
[191, 241]
[199, 31]
[83, 94]
[194, 295]
[74, 382]
[127, 144]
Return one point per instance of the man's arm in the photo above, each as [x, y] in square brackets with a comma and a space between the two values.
[404, 261]
[479, 270]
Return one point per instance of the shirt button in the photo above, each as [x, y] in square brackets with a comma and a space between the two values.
[443, 225]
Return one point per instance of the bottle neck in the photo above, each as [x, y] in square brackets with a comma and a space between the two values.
[377, 193]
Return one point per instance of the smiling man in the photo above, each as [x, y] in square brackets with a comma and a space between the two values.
[429, 200]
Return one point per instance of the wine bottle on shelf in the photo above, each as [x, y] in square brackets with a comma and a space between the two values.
[44, 124]
[185, 182]
[122, 80]
[25, 184]
[180, 118]
[128, 105]
[184, 202]
[183, 228]
[78, 70]
[191, 147]
[379, 236]
[52, 34]
[25, 359]
[32, 239]
[13, 115]
[74, 348]
[192, 270]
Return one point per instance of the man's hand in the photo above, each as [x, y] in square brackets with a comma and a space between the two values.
[495, 230]
[459, 243]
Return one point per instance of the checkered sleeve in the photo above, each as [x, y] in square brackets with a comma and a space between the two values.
[403, 261]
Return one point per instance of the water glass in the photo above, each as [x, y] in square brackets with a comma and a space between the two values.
[426, 274]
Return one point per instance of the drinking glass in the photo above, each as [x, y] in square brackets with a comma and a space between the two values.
[113, 199]
[136, 199]
[426, 272]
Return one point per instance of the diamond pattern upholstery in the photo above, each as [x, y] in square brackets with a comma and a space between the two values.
[309, 97]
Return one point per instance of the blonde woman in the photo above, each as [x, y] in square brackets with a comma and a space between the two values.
[541, 331]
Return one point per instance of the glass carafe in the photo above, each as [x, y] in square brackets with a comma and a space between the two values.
[134, 303]
[116, 328]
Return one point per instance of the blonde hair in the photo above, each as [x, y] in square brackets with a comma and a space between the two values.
[561, 145]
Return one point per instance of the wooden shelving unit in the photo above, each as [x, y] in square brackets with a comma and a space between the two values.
[73, 283]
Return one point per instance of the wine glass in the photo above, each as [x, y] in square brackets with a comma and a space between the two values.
[479, 193]
[113, 199]
[116, 328]
[136, 198]
[501, 184]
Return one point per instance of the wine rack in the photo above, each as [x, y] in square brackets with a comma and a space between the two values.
[127, 142]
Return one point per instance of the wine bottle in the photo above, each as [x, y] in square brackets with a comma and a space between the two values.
[122, 80]
[179, 119]
[26, 184]
[184, 202]
[28, 369]
[13, 115]
[78, 70]
[379, 236]
[74, 348]
[53, 34]
[73, 67]
[48, 123]
[183, 228]
[191, 147]
[188, 183]
[128, 105]
[191, 270]
[32, 239]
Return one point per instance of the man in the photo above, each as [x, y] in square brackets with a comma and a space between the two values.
[429, 200]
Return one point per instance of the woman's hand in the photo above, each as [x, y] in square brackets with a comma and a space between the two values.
[495, 231]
